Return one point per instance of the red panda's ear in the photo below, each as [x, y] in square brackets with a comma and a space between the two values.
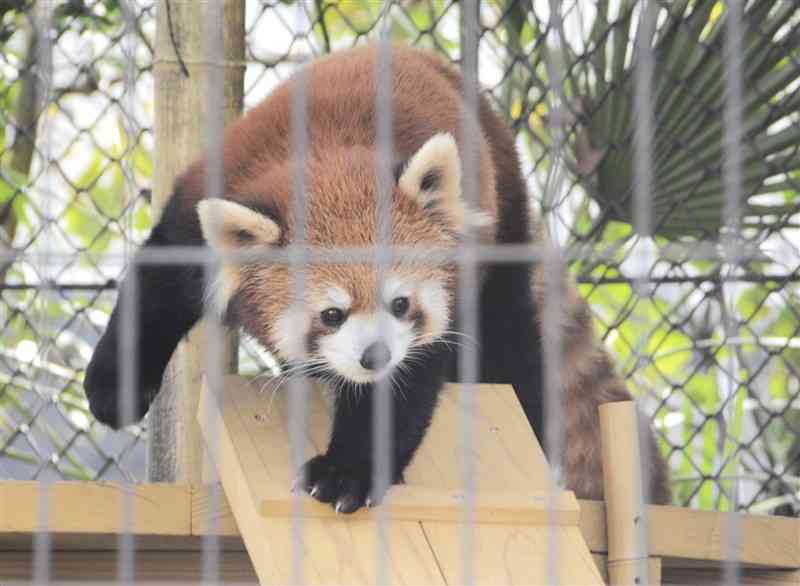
[228, 225]
[433, 178]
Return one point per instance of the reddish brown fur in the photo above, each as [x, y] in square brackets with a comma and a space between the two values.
[588, 380]
[341, 209]
[341, 113]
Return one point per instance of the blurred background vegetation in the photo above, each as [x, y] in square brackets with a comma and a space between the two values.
[701, 313]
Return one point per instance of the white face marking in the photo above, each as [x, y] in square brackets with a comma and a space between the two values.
[435, 302]
[289, 332]
[395, 287]
[344, 348]
[337, 297]
[221, 288]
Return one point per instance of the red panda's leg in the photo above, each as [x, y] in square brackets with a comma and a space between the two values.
[169, 303]
[343, 475]
[510, 345]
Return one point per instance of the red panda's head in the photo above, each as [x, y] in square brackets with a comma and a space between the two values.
[353, 321]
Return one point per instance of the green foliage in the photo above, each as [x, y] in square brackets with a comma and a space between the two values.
[689, 96]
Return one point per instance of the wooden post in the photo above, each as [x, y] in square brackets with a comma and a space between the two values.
[626, 518]
[182, 92]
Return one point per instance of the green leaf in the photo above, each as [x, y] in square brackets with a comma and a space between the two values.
[689, 101]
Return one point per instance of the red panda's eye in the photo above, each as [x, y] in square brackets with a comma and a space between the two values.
[399, 306]
[332, 317]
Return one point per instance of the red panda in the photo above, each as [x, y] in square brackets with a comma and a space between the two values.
[353, 326]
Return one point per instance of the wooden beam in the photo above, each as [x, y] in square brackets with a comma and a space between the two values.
[626, 512]
[516, 535]
[414, 503]
[95, 508]
[679, 532]
[676, 532]
[338, 550]
[182, 567]
[184, 80]
[151, 567]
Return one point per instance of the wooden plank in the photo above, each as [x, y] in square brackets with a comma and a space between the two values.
[502, 435]
[182, 123]
[505, 454]
[714, 577]
[230, 462]
[414, 503]
[593, 525]
[679, 532]
[505, 554]
[224, 523]
[154, 567]
[111, 541]
[634, 571]
[764, 540]
[86, 567]
[333, 551]
[96, 507]
[253, 438]
[692, 534]
[626, 521]
[601, 562]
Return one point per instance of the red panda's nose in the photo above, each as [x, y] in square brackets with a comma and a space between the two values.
[376, 356]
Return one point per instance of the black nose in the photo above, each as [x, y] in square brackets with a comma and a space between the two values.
[376, 356]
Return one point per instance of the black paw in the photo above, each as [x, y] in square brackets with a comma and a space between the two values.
[347, 489]
[102, 391]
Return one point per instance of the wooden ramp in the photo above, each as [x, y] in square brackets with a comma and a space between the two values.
[519, 536]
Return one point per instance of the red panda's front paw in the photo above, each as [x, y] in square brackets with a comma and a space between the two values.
[347, 489]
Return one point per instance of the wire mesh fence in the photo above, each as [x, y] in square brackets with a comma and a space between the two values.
[700, 313]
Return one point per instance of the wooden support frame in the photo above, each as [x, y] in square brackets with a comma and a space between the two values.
[517, 523]
[183, 77]
[174, 520]
[626, 513]
[683, 546]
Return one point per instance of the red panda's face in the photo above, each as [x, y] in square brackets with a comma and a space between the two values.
[354, 327]
[345, 320]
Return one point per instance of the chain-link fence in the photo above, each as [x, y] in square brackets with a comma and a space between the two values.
[698, 303]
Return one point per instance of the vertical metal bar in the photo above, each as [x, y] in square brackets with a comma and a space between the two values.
[128, 356]
[643, 125]
[382, 417]
[468, 270]
[553, 269]
[643, 122]
[298, 388]
[128, 359]
[43, 76]
[732, 182]
[214, 339]
[552, 317]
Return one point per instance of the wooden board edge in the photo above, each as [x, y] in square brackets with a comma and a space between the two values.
[95, 508]
[414, 503]
[680, 532]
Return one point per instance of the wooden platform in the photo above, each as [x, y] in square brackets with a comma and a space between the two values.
[84, 536]
[516, 530]
[171, 523]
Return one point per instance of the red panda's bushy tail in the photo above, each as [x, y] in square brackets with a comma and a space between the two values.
[588, 380]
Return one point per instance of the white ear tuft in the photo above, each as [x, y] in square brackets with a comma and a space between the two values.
[433, 178]
[228, 225]
[434, 171]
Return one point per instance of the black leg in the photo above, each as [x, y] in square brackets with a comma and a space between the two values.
[511, 345]
[343, 475]
[169, 303]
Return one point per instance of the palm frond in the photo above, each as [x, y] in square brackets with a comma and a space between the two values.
[689, 96]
